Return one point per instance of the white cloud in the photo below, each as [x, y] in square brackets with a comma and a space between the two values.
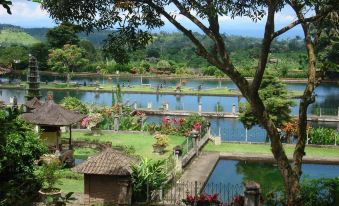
[25, 9]
[26, 14]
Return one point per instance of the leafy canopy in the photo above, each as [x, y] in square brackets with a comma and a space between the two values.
[65, 33]
[67, 59]
[275, 98]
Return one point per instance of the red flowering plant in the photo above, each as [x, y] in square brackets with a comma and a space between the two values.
[197, 126]
[202, 199]
[166, 121]
[290, 129]
[238, 200]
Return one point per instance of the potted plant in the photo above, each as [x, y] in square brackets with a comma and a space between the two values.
[50, 177]
[161, 142]
[91, 122]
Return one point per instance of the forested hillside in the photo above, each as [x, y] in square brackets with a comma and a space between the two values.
[167, 53]
[16, 36]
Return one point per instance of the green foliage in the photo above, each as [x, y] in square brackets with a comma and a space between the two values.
[323, 136]
[274, 95]
[164, 65]
[61, 35]
[9, 54]
[161, 139]
[66, 60]
[145, 65]
[90, 51]
[20, 147]
[40, 51]
[130, 123]
[10, 37]
[49, 174]
[210, 70]
[314, 192]
[181, 71]
[72, 103]
[122, 68]
[219, 74]
[147, 175]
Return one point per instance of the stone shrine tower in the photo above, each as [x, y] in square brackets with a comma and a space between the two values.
[33, 79]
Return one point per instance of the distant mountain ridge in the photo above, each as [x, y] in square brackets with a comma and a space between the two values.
[96, 38]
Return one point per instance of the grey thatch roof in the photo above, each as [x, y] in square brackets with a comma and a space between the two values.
[109, 162]
[50, 113]
[33, 103]
[4, 70]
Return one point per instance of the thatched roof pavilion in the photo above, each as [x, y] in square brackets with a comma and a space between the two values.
[108, 162]
[107, 177]
[50, 113]
[50, 116]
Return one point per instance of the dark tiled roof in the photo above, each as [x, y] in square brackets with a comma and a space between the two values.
[33, 103]
[109, 162]
[52, 114]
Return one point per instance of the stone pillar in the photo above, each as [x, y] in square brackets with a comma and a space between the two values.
[252, 194]
[338, 112]
[116, 123]
[135, 105]
[199, 108]
[234, 109]
[149, 105]
[165, 106]
[217, 140]
[178, 163]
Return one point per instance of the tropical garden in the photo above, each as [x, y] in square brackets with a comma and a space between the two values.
[133, 49]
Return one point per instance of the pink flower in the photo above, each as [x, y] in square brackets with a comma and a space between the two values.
[166, 120]
[197, 126]
[85, 122]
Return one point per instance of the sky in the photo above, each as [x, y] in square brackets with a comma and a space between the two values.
[28, 14]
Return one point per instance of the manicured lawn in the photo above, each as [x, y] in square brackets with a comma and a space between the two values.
[144, 89]
[266, 149]
[141, 142]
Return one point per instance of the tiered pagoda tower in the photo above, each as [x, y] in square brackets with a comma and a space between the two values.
[33, 79]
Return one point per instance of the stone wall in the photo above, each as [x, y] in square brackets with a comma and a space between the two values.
[107, 189]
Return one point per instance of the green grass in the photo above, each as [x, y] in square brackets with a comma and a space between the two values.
[71, 185]
[10, 37]
[84, 153]
[266, 149]
[144, 89]
[141, 142]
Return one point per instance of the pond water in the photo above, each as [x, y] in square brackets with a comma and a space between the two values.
[329, 104]
[229, 129]
[266, 174]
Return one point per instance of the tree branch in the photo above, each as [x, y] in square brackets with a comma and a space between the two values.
[202, 51]
[299, 21]
[265, 47]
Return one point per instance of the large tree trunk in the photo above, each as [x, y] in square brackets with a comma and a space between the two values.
[291, 179]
